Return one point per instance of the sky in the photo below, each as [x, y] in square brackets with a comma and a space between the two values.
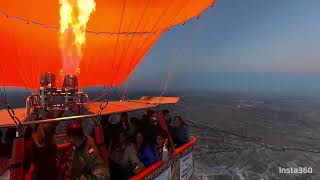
[239, 46]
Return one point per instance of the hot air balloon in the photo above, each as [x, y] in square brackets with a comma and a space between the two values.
[118, 36]
[71, 44]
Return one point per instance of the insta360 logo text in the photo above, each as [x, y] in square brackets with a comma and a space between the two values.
[295, 170]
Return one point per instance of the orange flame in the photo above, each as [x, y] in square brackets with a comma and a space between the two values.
[74, 16]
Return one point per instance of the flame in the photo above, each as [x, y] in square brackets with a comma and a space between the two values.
[74, 16]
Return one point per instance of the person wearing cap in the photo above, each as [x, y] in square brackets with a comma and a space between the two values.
[86, 160]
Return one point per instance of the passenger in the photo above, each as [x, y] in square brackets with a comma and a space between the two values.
[133, 126]
[149, 113]
[45, 148]
[153, 125]
[144, 119]
[180, 132]
[2, 146]
[153, 120]
[161, 147]
[167, 116]
[124, 119]
[108, 129]
[28, 143]
[86, 160]
[144, 151]
[123, 159]
[45, 152]
[9, 138]
[144, 124]
[111, 127]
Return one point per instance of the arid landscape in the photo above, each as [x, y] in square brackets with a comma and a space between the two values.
[247, 137]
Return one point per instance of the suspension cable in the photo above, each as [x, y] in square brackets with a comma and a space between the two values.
[124, 52]
[117, 42]
[4, 102]
[4, 99]
[26, 21]
[107, 91]
[179, 60]
[124, 92]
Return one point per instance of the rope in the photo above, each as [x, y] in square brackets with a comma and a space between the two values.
[132, 63]
[179, 61]
[26, 21]
[117, 42]
[13, 116]
[102, 95]
[124, 53]
[102, 107]
[4, 98]
[124, 92]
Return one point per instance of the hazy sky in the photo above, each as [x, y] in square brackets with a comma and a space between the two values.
[240, 45]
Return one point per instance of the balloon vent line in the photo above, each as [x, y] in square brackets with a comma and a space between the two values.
[26, 21]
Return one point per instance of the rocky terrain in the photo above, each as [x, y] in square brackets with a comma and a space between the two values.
[243, 137]
[246, 137]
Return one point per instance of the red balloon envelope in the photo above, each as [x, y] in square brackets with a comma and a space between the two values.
[119, 34]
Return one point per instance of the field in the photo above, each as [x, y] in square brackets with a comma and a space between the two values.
[250, 137]
[246, 136]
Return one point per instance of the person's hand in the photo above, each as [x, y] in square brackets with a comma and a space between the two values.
[135, 168]
[138, 167]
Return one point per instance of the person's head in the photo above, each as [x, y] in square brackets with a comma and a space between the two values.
[144, 117]
[152, 117]
[121, 138]
[28, 131]
[75, 134]
[139, 138]
[124, 119]
[124, 116]
[166, 114]
[178, 122]
[134, 123]
[161, 138]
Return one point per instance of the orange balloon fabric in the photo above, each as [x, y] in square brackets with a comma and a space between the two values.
[119, 34]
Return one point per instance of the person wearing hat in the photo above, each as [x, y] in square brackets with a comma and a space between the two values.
[86, 160]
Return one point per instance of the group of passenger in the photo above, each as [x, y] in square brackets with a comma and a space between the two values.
[132, 145]
[138, 143]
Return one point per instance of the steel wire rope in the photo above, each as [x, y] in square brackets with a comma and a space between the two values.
[26, 21]
[181, 57]
[124, 53]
